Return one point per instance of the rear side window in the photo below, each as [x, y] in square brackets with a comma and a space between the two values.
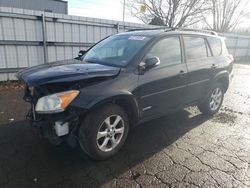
[195, 47]
[167, 50]
[215, 44]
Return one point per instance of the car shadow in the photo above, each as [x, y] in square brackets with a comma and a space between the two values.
[27, 160]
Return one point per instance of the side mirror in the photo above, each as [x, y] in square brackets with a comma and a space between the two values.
[150, 63]
[81, 53]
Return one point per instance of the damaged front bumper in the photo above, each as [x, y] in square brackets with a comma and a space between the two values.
[55, 127]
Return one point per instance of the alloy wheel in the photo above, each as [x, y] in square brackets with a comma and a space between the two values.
[110, 133]
[216, 98]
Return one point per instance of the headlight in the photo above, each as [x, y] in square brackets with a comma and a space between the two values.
[56, 102]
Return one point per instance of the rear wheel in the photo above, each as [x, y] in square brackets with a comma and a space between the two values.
[214, 101]
[104, 131]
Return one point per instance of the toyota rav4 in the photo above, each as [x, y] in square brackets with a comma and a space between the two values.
[124, 80]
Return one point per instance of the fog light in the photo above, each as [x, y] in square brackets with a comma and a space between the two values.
[61, 129]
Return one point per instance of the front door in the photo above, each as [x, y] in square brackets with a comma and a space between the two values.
[161, 88]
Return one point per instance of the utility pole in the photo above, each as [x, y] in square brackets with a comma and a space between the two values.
[123, 18]
[45, 50]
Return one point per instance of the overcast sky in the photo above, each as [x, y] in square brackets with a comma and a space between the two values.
[108, 9]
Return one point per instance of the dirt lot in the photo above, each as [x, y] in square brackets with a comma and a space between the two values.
[185, 149]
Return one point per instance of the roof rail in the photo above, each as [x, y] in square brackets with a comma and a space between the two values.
[198, 30]
[144, 29]
[166, 29]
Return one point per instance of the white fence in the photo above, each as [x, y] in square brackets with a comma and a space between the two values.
[238, 45]
[29, 38]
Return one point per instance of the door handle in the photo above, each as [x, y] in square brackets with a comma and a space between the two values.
[213, 66]
[182, 73]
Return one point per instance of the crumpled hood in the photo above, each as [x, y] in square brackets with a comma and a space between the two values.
[65, 71]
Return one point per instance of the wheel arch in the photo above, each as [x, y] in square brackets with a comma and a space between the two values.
[125, 100]
[223, 78]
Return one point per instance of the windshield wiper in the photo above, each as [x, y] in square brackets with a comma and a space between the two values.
[95, 60]
[92, 60]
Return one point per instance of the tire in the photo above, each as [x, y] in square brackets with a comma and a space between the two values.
[214, 100]
[104, 131]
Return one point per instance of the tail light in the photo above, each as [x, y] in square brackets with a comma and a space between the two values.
[231, 57]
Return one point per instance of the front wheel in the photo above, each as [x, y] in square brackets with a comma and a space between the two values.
[104, 131]
[214, 101]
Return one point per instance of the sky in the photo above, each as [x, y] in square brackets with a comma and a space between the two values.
[106, 9]
[109, 9]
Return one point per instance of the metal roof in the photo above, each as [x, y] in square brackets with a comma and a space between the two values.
[55, 6]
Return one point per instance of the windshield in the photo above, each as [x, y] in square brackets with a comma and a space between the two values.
[116, 50]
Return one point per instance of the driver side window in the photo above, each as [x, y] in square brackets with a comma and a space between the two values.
[167, 50]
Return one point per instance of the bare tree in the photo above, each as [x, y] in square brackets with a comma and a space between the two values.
[171, 13]
[225, 14]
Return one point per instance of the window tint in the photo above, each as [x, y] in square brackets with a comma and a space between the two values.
[167, 50]
[195, 47]
[215, 44]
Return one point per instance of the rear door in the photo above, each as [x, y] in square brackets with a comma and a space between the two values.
[220, 54]
[161, 88]
[200, 64]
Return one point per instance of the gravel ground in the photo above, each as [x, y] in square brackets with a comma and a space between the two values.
[184, 149]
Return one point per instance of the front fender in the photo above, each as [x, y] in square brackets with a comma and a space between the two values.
[111, 97]
[89, 102]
